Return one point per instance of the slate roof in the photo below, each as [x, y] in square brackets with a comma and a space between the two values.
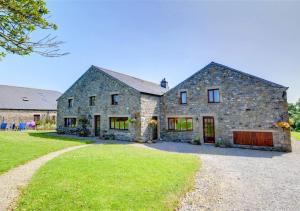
[136, 83]
[12, 97]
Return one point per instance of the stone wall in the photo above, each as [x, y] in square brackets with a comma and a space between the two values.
[150, 107]
[247, 103]
[18, 116]
[99, 84]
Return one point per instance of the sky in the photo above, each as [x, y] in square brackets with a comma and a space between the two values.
[172, 39]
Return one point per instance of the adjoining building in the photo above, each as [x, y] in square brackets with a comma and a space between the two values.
[216, 104]
[21, 104]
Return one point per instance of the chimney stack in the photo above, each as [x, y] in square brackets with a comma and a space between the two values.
[164, 83]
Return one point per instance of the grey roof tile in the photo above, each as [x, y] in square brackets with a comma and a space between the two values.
[12, 97]
[136, 83]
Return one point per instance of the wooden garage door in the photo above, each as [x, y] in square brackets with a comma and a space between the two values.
[253, 138]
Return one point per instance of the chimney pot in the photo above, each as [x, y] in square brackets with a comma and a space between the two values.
[164, 83]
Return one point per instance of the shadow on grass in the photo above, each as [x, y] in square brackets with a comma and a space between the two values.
[54, 135]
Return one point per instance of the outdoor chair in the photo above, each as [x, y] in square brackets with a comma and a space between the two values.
[22, 126]
[3, 126]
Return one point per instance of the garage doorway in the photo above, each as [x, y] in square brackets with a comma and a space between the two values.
[253, 138]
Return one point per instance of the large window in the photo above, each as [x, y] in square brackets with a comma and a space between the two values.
[115, 99]
[213, 95]
[183, 98]
[92, 100]
[119, 123]
[70, 122]
[180, 124]
[70, 103]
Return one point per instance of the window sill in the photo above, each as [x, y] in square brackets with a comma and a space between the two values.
[180, 131]
[124, 130]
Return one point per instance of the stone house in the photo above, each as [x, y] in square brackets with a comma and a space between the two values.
[21, 104]
[216, 104]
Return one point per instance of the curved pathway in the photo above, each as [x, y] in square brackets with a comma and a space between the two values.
[241, 179]
[12, 181]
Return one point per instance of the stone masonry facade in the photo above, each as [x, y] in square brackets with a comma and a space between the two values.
[247, 103]
[19, 115]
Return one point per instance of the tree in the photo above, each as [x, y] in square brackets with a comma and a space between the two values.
[294, 113]
[18, 20]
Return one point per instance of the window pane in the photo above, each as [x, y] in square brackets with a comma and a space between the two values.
[210, 96]
[183, 97]
[126, 125]
[183, 124]
[189, 124]
[112, 124]
[73, 122]
[117, 124]
[122, 123]
[216, 96]
[177, 124]
[171, 124]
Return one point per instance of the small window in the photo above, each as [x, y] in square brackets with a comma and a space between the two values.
[115, 99]
[36, 118]
[70, 103]
[213, 95]
[183, 98]
[119, 123]
[70, 122]
[92, 100]
[180, 124]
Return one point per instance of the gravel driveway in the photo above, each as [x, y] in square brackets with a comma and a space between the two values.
[241, 179]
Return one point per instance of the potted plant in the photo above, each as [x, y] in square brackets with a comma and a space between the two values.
[196, 140]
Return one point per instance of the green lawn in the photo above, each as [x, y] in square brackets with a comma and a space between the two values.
[17, 148]
[111, 177]
[296, 135]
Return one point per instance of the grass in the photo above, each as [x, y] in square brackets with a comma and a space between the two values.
[17, 148]
[296, 135]
[111, 177]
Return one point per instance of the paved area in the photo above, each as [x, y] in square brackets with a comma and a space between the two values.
[242, 179]
[12, 181]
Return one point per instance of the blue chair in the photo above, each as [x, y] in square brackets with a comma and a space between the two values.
[3, 125]
[22, 126]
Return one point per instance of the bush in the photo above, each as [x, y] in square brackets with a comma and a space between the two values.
[83, 132]
[109, 137]
[221, 143]
[297, 128]
[196, 140]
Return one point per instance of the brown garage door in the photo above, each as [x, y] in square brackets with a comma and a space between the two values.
[253, 138]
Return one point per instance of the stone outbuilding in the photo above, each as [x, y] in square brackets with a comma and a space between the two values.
[21, 104]
[217, 104]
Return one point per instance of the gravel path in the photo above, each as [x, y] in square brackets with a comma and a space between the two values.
[242, 179]
[12, 181]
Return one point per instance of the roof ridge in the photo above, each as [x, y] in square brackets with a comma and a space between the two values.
[30, 88]
[101, 68]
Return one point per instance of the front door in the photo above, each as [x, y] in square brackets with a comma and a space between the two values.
[208, 129]
[97, 125]
[154, 131]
